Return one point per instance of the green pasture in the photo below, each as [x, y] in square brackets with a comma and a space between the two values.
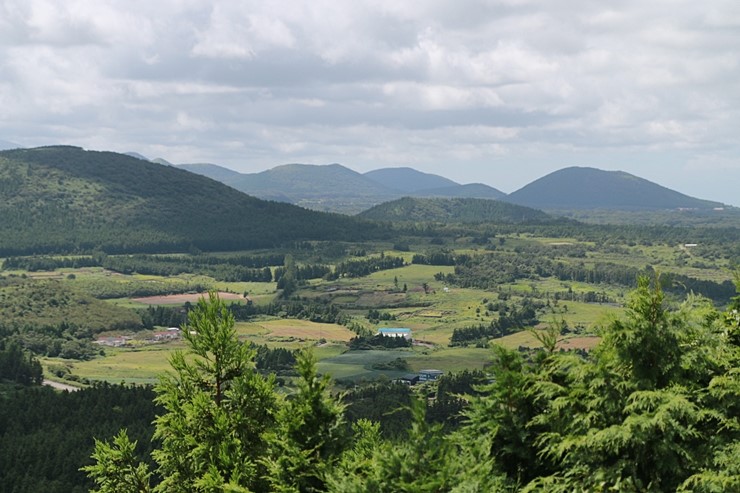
[140, 366]
[357, 365]
[276, 332]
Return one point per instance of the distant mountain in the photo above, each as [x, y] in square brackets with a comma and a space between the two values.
[65, 199]
[137, 155]
[454, 210]
[471, 190]
[330, 187]
[590, 188]
[4, 144]
[212, 171]
[159, 160]
[336, 188]
[408, 180]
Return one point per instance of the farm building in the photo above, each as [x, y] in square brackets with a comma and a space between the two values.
[409, 379]
[395, 332]
[429, 375]
[167, 335]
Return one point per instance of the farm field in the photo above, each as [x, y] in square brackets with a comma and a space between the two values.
[424, 298]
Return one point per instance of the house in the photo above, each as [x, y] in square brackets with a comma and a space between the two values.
[395, 332]
[167, 335]
[409, 379]
[430, 375]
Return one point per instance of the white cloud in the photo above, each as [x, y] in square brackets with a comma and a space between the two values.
[501, 89]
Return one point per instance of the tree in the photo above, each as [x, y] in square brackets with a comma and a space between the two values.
[218, 408]
[117, 469]
[309, 435]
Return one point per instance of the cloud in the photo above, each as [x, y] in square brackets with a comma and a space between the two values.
[500, 91]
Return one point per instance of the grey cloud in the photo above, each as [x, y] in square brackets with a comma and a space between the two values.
[502, 90]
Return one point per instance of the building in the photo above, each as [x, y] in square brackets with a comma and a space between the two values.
[395, 332]
[430, 375]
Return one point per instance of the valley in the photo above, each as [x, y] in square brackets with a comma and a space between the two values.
[106, 258]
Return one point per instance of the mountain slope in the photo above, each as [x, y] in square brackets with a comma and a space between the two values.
[408, 180]
[4, 144]
[64, 199]
[328, 187]
[590, 188]
[471, 191]
[454, 210]
[212, 171]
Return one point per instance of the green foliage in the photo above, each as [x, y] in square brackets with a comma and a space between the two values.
[218, 409]
[458, 210]
[46, 435]
[117, 469]
[378, 341]
[18, 366]
[64, 199]
[309, 435]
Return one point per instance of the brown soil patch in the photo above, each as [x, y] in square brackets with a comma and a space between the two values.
[179, 299]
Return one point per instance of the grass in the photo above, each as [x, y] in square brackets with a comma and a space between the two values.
[302, 330]
[123, 365]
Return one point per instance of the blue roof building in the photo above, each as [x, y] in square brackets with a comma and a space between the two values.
[395, 332]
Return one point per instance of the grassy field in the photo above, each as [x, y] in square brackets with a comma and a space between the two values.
[432, 313]
[141, 366]
[272, 332]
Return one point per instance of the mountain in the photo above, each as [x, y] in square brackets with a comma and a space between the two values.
[408, 180]
[212, 171]
[471, 191]
[328, 187]
[66, 199]
[4, 144]
[454, 210]
[137, 155]
[337, 188]
[591, 188]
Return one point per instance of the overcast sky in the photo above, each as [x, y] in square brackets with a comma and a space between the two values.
[498, 92]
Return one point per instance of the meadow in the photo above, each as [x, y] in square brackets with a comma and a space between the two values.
[414, 296]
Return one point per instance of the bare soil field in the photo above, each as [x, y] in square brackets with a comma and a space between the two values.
[179, 299]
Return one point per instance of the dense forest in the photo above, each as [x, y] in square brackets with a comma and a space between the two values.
[63, 199]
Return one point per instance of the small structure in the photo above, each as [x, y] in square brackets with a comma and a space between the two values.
[430, 375]
[395, 332]
[409, 379]
[167, 335]
[114, 341]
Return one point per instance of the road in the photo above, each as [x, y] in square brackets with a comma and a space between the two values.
[61, 386]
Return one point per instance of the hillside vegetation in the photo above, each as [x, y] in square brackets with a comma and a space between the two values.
[65, 199]
[591, 188]
[455, 210]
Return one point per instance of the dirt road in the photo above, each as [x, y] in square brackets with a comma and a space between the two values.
[61, 386]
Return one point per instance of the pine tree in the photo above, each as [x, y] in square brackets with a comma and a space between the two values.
[218, 409]
[310, 433]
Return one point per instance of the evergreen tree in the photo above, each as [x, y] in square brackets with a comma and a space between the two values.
[218, 409]
[309, 435]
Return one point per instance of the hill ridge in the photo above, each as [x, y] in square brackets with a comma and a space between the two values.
[66, 199]
[581, 187]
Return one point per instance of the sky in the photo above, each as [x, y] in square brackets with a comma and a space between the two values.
[496, 92]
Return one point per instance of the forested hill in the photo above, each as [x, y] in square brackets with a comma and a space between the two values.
[63, 199]
[591, 188]
[455, 210]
